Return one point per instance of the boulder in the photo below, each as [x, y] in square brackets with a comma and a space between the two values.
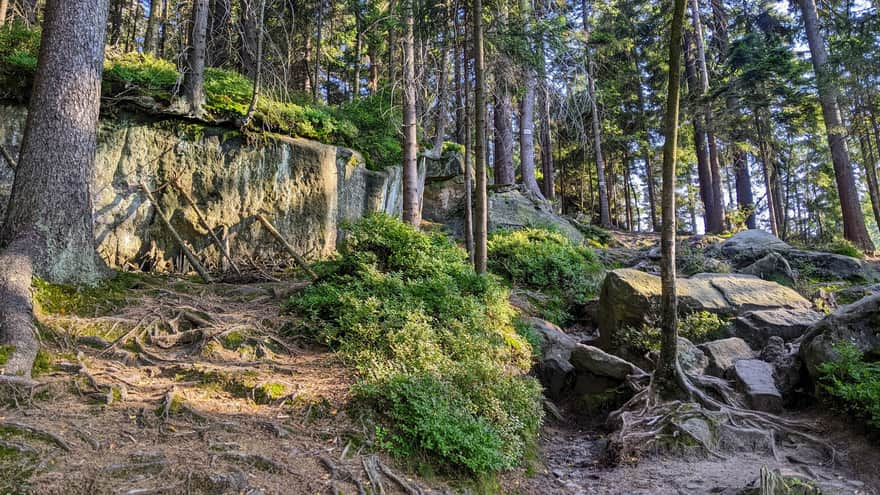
[553, 368]
[855, 323]
[515, 209]
[755, 378]
[750, 246]
[444, 167]
[586, 358]
[631, 298]
[773, 267]
[753, 244]
[786, 362]
[724, 353]
[692, 359]
[756, 327]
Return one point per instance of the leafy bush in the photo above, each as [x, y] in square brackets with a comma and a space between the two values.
[146, 72]
[853, 383]
[433, 343]
[842, 246]
[595, 235]
[701, 326]
[547, 261]
[378, 121]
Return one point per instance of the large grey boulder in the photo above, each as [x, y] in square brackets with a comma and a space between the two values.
[755, 379]
[631, 298]
[692, 359]
[756, 327]
[750, 246]
[598, 362]
[857, 323]
[724, 353]
[514, 209]
[553, 368]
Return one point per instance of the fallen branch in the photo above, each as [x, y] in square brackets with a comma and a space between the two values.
[340, 474]
[16, 310]
[37, 432]
[371, 467]
[186, 251]
[189, 199]
[278, 237]
[407, 487]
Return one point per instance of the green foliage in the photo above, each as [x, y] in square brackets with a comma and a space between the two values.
[146, 72]
[701, 326]
[434, 344]
[853, 383]
[378, 122]
[547, 261]
[19, 46]
[842, 246]
[596, 236]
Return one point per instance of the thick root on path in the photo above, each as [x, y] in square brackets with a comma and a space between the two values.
[709, 417]
[17, 330]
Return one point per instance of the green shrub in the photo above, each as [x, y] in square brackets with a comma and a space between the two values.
[595, 235]
[842, 246]
[434, 345]
[546, 261]
[701, 326]
[146, 72]
[852, 383]
[378, 122]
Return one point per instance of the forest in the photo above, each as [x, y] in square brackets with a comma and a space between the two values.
[460, 246]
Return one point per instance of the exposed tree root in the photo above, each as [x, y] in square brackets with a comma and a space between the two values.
[648, 422]
[16, 310]
[33, 431]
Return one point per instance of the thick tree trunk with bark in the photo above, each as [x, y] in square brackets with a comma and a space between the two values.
[151, 37]
[526, 135]
[503, 118]
[481, 205]
[194, 79]
[48, 230]
[853, 221]
[248, 25]
[411, 210]
[704, 172]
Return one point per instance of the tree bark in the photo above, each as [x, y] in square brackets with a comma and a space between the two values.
[248, 25]
[854, 228]
[715, 222]
[258, 70]
[604, 209]
[666, 375]
[646, 144]
[411, 202]
[526, 135]
[481, 207]
[194, 79]
[503, 118]
[152, 34]
[48, 230]
[4, 7]
[218, 33]
[704, 172]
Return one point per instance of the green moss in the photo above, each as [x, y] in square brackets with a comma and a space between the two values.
[5, 352]
[269, 392]
[233, 340]
[100, 299]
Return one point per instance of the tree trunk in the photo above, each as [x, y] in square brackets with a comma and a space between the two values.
[666, 375]
[704, 172]
[411, 210]
[48, 230]
[646, 144]
[442, 96]
[481, 207]
[468, 170]
[116, 12]
[503, 118]
[194, 79]
[258, 70]
[871, 174]
[715, 222]
[318, 45]
[374, 69]
[152, 34]
[604, 209]
[853, 221]
[247, 52]
[526, 135]
[163, 29]
[4, 7]
[218, 33]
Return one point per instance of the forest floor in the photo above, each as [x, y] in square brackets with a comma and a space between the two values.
[199, 391]
[180, 387]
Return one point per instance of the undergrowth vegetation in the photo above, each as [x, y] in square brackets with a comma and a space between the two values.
[368, 125]
[439, 361]
[548, 262]
[853, 383]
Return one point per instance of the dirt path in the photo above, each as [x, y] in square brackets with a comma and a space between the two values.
[190, 389]
[573, 467]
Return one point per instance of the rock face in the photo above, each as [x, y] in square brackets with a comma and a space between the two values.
[632, 298]
[443, 199]
[554, 369]
[755, 379]
[750, 246]
[857, 323]
[774, 267]
[724, 353]
[598, 362]
[305, 188]
[514, 209]
[757, 327]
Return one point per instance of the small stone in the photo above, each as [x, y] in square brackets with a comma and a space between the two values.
[724, 353]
